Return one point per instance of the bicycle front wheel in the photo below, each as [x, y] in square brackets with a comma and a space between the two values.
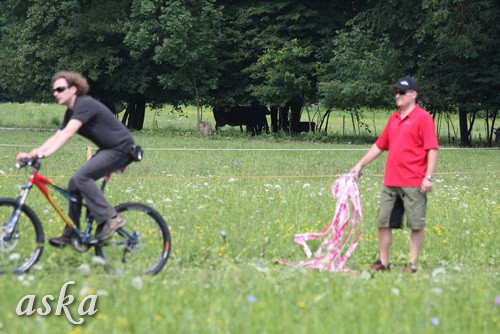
[142, 246]
[21, 237]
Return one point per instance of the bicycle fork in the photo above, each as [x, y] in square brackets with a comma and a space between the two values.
[10, 227]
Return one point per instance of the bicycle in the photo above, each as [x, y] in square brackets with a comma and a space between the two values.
[143, 244]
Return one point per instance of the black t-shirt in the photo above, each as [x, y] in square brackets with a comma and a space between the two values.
[99, 125]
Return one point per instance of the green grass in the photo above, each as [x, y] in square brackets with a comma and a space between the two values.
[166, 120]
[261, 192]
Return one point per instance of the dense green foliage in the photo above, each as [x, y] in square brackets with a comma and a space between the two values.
[282, 53]
[452, 47]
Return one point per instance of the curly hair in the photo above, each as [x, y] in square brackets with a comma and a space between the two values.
[73, 79]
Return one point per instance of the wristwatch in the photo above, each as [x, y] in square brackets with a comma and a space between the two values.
[429, 177]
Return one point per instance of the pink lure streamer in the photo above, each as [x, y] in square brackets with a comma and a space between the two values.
[341, 236]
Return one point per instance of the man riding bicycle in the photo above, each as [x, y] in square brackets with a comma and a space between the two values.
[94, 121]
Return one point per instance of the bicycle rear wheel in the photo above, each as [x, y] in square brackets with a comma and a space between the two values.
[142, 245]
[22, 247]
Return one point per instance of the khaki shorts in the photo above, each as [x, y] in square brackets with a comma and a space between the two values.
[395, 201]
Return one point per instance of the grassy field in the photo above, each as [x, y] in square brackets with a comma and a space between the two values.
[233, 204]
[340, 127]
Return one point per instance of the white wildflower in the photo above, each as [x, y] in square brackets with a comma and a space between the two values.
[99, 260]
[14, 257]
[438, 272]
[102, 293]
[84, 269]
[84, 291]
[137, 282]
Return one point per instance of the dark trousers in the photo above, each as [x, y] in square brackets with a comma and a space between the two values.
[83, 184]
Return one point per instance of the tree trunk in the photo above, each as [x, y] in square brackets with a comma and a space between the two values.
[283, 117]
[464, 128]
[274, 119]
[295, 110]
[134, 115]
[490, 131]
[324, 121]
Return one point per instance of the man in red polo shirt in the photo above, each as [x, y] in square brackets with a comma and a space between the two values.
[411, 141]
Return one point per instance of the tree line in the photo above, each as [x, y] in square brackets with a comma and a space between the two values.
[283, 54]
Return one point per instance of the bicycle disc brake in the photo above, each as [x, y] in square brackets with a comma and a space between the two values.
[131, 246]
[6, 245]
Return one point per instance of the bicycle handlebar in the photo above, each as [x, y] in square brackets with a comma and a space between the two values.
[28, 162]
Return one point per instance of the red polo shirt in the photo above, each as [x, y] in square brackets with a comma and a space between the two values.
[407, 142]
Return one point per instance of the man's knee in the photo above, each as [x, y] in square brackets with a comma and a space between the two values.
[76, 181]
[72, 184]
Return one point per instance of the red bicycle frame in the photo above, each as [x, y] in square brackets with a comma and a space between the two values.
[41, 183]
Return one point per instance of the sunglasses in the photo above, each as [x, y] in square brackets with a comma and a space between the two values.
[400, 92]
[60, 89]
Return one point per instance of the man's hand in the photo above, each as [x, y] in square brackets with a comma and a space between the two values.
[23, 155]
[426, 186]
[36, 153]
[356, 171]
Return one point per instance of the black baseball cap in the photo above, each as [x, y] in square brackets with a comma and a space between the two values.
[406, 83]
